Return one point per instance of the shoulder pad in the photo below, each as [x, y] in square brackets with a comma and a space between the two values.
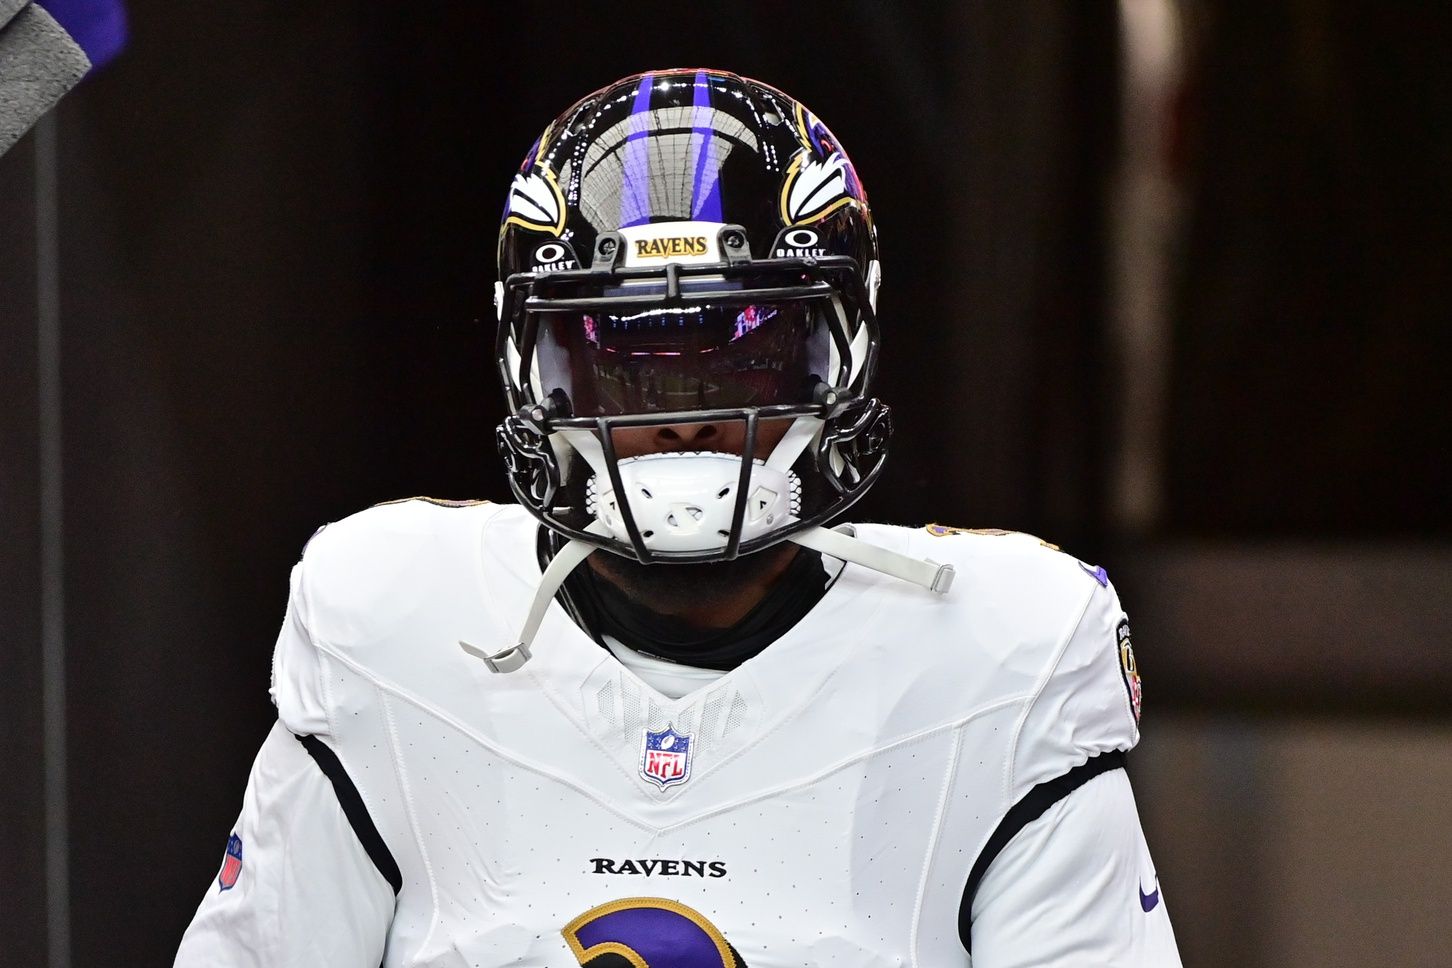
[365, 573]
[1087, 701]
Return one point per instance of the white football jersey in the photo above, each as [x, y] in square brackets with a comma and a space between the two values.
[899, 778]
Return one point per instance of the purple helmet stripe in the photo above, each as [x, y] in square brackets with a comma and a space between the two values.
[707, 208]
[635, 190]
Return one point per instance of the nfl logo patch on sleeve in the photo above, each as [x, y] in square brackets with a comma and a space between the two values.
[665, 757]
[231, 864]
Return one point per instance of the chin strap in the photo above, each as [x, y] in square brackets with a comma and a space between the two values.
[841, 543]
[565, 561]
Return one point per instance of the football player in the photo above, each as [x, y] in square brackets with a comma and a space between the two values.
[659, 712]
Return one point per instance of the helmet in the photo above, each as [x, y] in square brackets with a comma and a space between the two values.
[688, 247]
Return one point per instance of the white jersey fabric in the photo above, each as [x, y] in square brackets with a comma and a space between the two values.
[822, 804]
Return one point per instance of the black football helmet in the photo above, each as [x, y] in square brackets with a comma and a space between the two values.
[687, 247]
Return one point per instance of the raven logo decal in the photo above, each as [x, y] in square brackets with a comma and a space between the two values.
[535, 202]
[819, 178]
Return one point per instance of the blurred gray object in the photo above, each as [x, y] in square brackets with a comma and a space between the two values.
[39, 62]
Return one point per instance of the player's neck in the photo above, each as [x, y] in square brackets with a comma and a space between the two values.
[712, 596]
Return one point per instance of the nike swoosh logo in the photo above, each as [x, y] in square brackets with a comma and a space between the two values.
[1149, 901]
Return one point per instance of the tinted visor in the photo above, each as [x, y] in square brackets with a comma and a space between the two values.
[694, 357]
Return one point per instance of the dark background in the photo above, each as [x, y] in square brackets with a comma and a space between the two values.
[276, 235]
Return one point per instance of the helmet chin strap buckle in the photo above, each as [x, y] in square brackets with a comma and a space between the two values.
[506, 660]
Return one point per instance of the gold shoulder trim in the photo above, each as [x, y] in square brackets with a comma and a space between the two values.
[440, 501]
[943, 530]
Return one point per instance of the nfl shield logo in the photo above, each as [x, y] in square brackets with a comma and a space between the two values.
[231, 864]
[665, 757]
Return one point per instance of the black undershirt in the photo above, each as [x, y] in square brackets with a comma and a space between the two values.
[601, 608]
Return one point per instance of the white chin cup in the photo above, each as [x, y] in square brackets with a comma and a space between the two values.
[685, 501]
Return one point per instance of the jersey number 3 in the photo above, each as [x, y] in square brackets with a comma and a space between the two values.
[648, 932]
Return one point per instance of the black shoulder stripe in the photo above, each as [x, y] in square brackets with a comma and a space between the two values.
[352, 803]
[1021, 814]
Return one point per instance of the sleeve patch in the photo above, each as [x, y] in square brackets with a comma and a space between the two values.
[1129, 669]
[231, 864]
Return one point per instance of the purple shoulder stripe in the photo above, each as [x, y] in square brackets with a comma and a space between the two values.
[97, 26]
